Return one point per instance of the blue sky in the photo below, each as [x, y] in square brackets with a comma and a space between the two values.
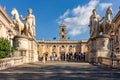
[51, 13]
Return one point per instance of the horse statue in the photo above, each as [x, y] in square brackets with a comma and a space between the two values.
[17, 22]
[107, 23]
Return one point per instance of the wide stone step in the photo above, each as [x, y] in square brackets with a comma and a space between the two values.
[59, 76]
[59, 70]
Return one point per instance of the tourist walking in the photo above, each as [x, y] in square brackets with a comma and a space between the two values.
[44, 58]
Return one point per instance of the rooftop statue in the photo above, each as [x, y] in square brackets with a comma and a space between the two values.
[94, 24]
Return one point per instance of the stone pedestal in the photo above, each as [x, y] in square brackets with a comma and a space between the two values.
[21, 47]
[21, 42]
[98, 47]
[102, 46]
[91, 50]
[33, 55]
[26, 47]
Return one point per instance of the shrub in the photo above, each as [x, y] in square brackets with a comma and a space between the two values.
[4, 48]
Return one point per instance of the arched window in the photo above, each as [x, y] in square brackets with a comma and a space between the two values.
[70, 46]
[54, 46]
[62, 47]
[63, 30]
[62, 36]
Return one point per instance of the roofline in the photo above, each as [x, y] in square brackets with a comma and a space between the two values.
[5, 14]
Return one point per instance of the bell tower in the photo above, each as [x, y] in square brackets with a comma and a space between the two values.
[62, 32]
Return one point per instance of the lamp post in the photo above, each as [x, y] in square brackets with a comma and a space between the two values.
[112, 45]
[112, 50]
[10, 34]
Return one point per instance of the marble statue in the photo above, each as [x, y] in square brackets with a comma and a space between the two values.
[94, 24]
[107, 23]
[17, 22]
[30, 23]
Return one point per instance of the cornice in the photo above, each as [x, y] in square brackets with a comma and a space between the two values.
[116, 18]
[58, 42]
[4, 13]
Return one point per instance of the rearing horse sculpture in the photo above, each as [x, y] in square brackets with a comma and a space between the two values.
[17, 22]
[107, 23]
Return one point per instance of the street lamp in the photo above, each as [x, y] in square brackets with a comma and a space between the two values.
[10, 34]
[112, 44]
[112, 50]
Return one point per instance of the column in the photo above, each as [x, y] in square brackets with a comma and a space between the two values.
[119, 40]
[50, 58]
[58, 54]
[81, 48]
[50, 50]
[43, 49]
[74, 49]
[67, 49]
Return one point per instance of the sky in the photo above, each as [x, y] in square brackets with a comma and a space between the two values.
[49, 14]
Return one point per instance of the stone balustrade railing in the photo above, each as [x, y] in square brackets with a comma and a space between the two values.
[10, 62]
[58, 41]
[112, 62]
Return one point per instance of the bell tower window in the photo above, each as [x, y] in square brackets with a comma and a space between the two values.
[62, 32]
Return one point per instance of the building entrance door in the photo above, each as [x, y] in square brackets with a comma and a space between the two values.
[54, 55]
[62, 56]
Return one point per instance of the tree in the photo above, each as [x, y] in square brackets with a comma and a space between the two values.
[4, 47]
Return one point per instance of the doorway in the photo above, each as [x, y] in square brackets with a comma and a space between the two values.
[62, 56]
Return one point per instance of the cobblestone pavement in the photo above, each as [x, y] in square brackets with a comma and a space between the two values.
[60, 70]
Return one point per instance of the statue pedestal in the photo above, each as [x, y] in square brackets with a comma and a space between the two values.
[21, 42]
[26, 47]
[91, 50]
[102, 46]
[21, 47]
[33, 55]
[98, 47]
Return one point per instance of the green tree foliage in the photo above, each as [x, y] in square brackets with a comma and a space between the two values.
[4, 47]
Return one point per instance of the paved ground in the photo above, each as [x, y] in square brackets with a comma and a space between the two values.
[59, 70]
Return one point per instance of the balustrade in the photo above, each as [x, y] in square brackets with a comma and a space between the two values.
[10, 62]
[112, 62]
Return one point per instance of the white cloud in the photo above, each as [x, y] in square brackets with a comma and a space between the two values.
[104, 5]
[78, 20]
[61, 18]
[65, 14]
[74, 31]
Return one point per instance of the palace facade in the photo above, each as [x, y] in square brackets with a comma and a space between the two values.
[60, 48]
[116, 37]
[6, 25]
